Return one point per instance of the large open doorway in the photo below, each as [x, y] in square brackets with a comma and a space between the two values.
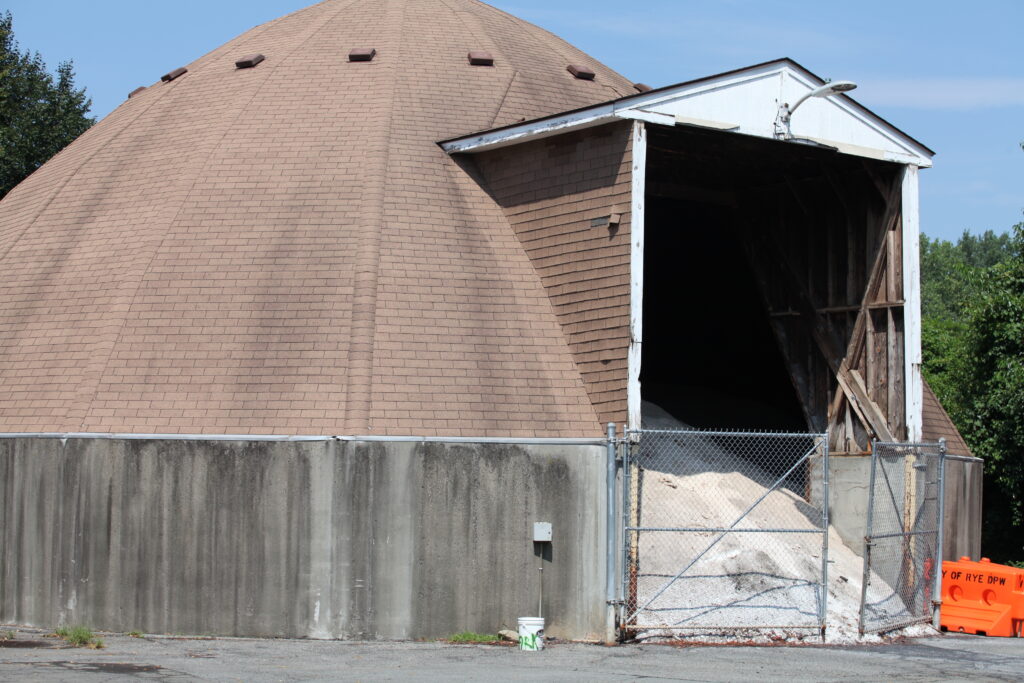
[772, 287]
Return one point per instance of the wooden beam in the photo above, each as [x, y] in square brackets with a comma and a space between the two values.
[889, 222]
[857, 395]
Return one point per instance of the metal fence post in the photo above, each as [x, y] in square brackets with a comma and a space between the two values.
[867, 535]
[939, 543]
[824, 542]
[625, 517]
[611, 532]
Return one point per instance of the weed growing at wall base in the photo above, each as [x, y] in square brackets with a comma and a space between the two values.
[471, 637]
[79, 636]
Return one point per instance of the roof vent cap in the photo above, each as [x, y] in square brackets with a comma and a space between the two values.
[177, 73]
[135, 92]
[362, 54]
[481, 58]
[249, 62]
[584, 73]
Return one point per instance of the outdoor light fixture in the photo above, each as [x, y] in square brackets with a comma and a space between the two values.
[786, 112]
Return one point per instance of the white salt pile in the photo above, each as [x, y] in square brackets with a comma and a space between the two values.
[765, 581]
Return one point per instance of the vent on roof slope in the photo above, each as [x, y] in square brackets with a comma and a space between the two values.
[135, 92]
[362, 54]
[249, 62]
[642, 87]
[481, 58]
[584, 73]
[177, 73]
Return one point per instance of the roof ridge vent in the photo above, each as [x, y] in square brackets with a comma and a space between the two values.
[584, 73]
[480, 58]
[362, 54]
[135, 92]
[249, 61]
[177, 73]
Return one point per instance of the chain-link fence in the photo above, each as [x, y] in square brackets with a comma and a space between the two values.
[903, 553]
[725, 531]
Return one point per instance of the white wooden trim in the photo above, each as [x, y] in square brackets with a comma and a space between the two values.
[644, 107]
[912, 303]
[636, 274]
[704, 123]
[535, 130]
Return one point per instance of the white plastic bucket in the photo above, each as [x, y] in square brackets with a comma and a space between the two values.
[531, 633]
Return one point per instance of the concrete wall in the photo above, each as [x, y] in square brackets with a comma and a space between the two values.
[299, 539]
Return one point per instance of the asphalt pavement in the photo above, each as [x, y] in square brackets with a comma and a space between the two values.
[942, 658]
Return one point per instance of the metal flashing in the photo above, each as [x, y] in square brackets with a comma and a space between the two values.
[102, 436]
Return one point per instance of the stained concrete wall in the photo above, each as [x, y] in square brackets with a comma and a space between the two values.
[299, 539]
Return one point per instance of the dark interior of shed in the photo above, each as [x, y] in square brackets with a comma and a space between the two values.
[709, 357]
[745, 241]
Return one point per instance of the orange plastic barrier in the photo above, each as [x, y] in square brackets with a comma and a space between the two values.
[982, 598]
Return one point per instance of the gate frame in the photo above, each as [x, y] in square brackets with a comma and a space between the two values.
[938, 531]
[627, 458]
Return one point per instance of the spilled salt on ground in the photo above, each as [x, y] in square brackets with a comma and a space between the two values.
[767, 582]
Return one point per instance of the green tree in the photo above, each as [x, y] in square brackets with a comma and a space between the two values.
[40, 113]
[991, 396]
[948, 270]
[973, 347]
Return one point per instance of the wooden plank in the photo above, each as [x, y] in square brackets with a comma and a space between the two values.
[857, 338]
[870, 364]
[875, 418]
[913, 382]
[897, 380]
[636, 269]
[851, 440]
[892, 285]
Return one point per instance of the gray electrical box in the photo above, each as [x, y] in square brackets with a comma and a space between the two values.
[542, 532]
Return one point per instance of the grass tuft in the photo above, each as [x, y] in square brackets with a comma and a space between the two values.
[471, 637]
[79, 636]
[134, 634]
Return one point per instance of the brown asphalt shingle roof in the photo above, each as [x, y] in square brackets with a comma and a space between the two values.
[936, 424]
[285, 250]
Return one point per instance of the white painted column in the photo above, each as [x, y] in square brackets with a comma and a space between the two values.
[636, 272]
[912, 302]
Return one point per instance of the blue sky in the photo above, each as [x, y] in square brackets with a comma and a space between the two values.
[951, 74]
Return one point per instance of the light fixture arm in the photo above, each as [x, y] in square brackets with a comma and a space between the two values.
[785, 115]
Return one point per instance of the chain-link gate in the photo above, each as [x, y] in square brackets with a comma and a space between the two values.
[724, 532]
[903, 551]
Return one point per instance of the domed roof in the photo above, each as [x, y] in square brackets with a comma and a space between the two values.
[284, 249]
